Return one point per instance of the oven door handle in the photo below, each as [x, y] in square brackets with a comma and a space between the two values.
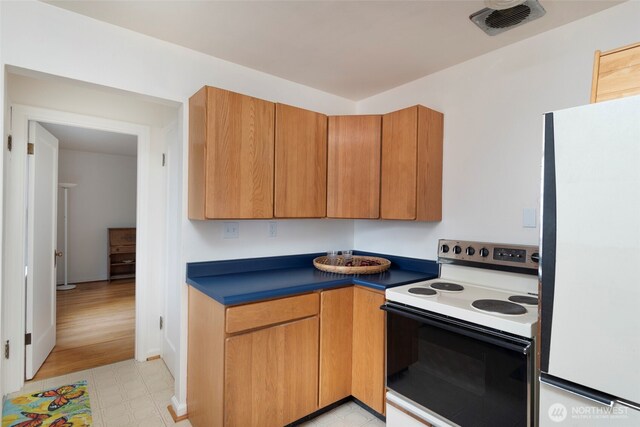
[489, 337]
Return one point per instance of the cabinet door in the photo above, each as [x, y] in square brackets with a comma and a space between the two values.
[300, 163]
[300, 386]
[271, 375]
[411, 171]
[367, 372]
[399, 167]
[239, 156]
[429, 186]
[353, 169]
[336, 318]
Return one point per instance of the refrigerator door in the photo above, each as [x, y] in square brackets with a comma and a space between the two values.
[558, 407]
[590, 247]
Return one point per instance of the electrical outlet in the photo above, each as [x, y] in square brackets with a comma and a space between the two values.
[230, 230]
[273, 229]
[529, 218]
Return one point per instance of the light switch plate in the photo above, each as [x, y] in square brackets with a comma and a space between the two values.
[273, 229]
[230, 230]
[529, 218]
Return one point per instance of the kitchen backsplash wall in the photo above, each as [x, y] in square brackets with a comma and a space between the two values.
[293, 237]
[493, 108]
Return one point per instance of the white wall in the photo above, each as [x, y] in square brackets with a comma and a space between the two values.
[493, 108]
[38, 36]
[104, 198]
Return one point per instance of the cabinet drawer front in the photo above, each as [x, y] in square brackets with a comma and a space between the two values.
[123, 250]
[260, 314]
[122, 236]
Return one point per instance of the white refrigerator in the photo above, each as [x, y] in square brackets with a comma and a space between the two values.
[590, 266]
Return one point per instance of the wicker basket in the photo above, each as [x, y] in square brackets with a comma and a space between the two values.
[337, 264]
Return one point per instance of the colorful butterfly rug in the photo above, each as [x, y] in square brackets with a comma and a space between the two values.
[66, 406]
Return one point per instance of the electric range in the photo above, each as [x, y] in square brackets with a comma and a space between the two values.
[461, 348]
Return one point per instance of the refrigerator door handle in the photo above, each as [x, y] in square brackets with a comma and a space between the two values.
[578, 390]
[628, 404]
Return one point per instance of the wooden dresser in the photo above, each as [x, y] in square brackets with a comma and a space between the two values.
[122, 253]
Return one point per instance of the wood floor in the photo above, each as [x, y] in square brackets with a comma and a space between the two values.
[96, 326]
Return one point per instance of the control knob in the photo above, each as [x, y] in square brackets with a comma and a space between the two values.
[535, 257]
[444, 249]
[457, 249]
[484, 252]
[470, 251]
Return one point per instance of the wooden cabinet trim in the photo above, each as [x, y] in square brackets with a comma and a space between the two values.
[265, 313]
[197, 153]
[205, 361]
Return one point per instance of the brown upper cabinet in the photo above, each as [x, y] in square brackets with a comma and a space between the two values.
[253, 159]
[616, 73]
[300, 163]
[231, 149]
[353, 173]
[411, 172]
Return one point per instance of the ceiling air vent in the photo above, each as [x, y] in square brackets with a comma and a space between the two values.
[493, 21]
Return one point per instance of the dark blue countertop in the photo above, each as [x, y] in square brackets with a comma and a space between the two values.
[239, 281]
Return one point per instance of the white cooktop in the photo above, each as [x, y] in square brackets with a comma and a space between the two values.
[458, 304]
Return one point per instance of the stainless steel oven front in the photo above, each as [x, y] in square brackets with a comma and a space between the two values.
[461, 373]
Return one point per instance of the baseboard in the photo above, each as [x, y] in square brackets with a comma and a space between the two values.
[149, 359]
[175, 417]
[82, 281]
[178, 410]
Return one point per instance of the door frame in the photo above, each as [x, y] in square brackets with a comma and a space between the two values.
[14, 225]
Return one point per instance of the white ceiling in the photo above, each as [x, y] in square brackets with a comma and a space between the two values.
[354, 49]
[94, 141]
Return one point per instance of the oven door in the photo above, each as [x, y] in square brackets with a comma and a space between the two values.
[457, 371]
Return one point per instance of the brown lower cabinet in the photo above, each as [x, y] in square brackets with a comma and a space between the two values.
[273, 362]
[336, 336]
[368, 379]
[271, 375]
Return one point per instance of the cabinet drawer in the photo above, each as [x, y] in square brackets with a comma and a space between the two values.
[123, 250]
[260, 314]
[122, 236]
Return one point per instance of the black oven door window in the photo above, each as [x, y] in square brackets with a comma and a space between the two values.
[469, 381]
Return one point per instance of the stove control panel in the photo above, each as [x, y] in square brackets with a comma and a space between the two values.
[518, 258]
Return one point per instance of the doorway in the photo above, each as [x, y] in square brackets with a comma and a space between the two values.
[95, 252]
[15, 236]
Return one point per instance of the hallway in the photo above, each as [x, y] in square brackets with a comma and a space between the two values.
[95, 327]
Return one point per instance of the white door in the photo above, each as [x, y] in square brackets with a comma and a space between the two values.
[41, 247]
